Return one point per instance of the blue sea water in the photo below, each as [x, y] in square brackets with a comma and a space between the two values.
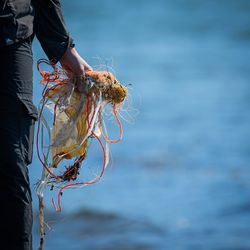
[180, 179]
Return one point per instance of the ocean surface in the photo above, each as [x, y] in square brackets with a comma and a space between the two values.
[180, 179]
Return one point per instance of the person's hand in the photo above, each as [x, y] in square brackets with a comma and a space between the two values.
[75, 66]
[73, 63]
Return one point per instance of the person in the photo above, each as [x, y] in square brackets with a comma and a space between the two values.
[20, 21]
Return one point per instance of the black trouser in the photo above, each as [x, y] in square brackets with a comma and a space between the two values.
[16, 145]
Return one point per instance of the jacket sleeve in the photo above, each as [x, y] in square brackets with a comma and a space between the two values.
[50, 28]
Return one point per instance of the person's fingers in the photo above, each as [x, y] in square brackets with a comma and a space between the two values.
[86, 66]
[80, 84]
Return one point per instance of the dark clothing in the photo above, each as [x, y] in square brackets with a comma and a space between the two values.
[16, 133]
[16, 19]
[16, 77]
[50, 28]
[16, 145]
[19, 19]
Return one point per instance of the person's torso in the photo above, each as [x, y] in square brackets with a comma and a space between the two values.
[16, 20]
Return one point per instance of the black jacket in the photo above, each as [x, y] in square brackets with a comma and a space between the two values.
[20, 19]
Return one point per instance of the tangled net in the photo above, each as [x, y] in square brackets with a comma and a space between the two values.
[77, 119]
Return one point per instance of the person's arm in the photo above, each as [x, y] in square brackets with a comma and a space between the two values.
[54, 38]
[73, 63]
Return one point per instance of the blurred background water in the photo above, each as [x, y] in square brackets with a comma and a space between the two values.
[180, 179]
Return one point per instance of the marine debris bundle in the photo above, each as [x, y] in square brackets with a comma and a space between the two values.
[77, 120]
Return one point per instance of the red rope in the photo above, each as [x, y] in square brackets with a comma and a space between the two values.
[120, 128]
[58, 208]
[37, 139]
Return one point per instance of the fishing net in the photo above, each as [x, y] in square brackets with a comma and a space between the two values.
[77, 120]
